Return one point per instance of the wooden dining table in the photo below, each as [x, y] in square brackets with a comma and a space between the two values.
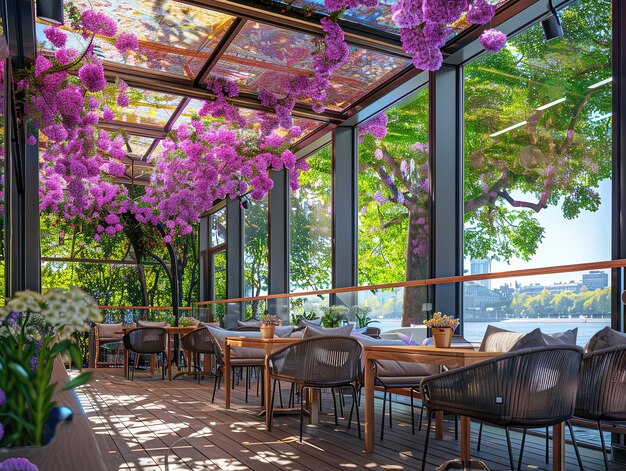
[448, 357]
[268, 345]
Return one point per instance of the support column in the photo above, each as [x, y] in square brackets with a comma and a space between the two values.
[345, 223]
[203, 251]
[278, 243]
[446, 153]
[619, 186]
[234, 262]
[23, 258]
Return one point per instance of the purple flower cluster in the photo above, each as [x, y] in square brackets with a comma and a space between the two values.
[91, 74]
[55, 36]
[126, 42]
[98, 23]
[480, 12]
[376, 127]
[492, 40]
[17, 464]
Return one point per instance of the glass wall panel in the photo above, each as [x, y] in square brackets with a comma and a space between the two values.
[394, 211]
[538, 174]
[310, 226]
[255, 255]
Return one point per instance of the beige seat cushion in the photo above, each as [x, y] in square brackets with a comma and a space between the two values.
[499, 340]
[151, 324]
[404, 369]
[220, 335]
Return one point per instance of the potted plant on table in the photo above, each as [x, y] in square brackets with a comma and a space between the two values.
[268, 325]
[35, 329]
[334, 316]
[443, 327]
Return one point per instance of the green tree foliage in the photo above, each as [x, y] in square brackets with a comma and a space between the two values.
[563, 304]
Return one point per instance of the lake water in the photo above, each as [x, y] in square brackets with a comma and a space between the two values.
[475, 331]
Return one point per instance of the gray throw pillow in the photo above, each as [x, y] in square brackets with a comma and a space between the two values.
[283, 330]
[252, 324]
[108, 331]
[313, 331]
[530, 340]
[562, 338]
[606, 338]
[219, 335]
[499, 340]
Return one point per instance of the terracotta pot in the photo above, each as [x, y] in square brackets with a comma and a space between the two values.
[268, 331]
[442, 336]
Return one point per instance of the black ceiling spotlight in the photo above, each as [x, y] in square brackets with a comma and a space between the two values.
[552, 28]
[50, 11]
[245, 201]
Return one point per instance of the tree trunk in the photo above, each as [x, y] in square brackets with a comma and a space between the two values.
[416, 269]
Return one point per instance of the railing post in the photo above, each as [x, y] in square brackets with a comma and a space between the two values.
[234, 262]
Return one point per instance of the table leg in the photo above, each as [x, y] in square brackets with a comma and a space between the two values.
[369, 405]
[466, 453]
[314, 406]
[267, 392]
[558, 447]
[227, 377]
[438, 425]
[169, 356]
[126, 363]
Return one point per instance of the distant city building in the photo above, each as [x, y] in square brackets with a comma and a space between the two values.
[480, 267]
[596, 279]
[534, 290]
[479, 299]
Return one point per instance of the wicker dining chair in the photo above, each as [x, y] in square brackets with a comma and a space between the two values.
[196, 342]
[147, 340]
[529, 388]
[316, 363]
[602, 389]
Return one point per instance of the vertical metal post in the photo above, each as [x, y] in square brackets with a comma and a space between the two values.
[278, 243]
[446, 137]
[618, 243]
[345, 223]
[203, 251]
[234, 262]
[23, 267]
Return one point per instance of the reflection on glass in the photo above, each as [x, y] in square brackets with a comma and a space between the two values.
[310, 226]
[218, 263]
[253, 117]
[537, 175]
[139, 145]
[217, 227]
[175, 38]
[255, 254]
[263, 55]
[146, 106]
[394, 211]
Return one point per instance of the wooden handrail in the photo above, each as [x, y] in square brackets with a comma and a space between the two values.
[434, 281]
[153, 308]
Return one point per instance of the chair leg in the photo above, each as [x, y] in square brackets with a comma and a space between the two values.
[390, 421]
[215, 385]
[292, 395]
[421, 415]
[456, 427]
[521, 451]
[246, 382]
[163, 366]
[382, 420]
[480, 435]
[430, 420]
[508, 444]
[412, 415]
[571, 433]
[332, 391]
[547, 445]
[356, 406]
[132, 376]
[342, 402]
[606, 458]
[280, 393]
[301, 411]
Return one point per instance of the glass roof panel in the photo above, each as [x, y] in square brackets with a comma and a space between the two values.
[254, 119]
[139, 145]
[146, 107]
[262, 55]
[378, 17]
[174, 38]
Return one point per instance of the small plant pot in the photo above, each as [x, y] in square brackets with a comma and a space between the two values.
[442, 336]
[268, 331]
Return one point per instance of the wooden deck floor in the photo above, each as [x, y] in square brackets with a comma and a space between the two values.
[136, 422]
